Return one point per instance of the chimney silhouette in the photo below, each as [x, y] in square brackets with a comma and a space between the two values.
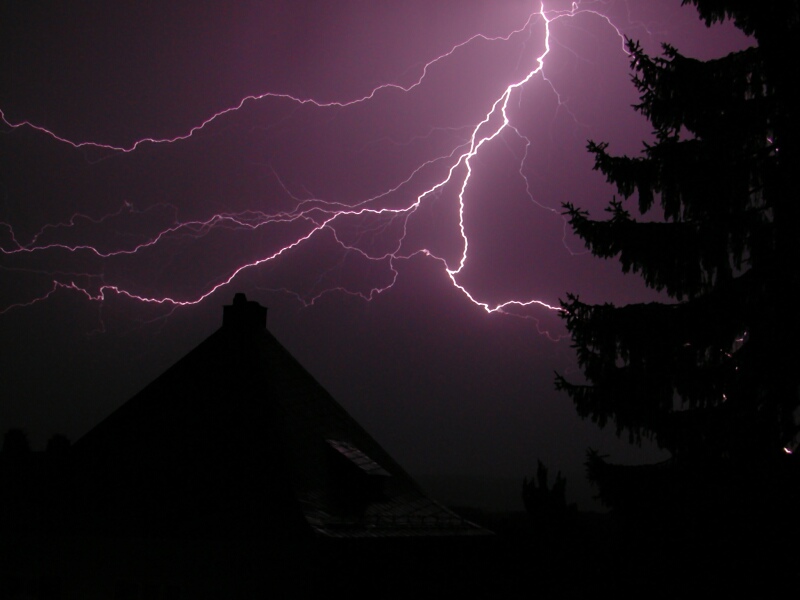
[244, 314]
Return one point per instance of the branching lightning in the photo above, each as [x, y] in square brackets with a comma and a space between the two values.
[313, 217]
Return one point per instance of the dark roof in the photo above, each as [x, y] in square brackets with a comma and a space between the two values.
[238, 438]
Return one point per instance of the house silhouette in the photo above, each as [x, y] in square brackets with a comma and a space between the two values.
[237, 440]
[231, 473]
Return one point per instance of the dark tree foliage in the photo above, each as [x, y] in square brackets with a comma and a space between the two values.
[711, 375]
[543, 502]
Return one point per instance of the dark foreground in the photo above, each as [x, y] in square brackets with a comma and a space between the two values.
[582, 554]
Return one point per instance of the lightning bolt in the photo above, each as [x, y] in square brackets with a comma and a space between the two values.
[311, 216]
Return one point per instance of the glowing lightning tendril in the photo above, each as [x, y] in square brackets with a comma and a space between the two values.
[318, 214]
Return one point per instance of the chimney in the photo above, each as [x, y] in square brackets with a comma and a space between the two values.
[244, 314]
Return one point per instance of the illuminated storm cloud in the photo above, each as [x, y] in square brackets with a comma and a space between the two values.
[452, 157]
[448, 387]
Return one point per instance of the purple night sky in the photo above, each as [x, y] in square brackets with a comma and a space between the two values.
[351, 120]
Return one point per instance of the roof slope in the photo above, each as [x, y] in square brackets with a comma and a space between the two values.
[237, 438]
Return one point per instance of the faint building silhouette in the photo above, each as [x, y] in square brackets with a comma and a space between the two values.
[237, 439]
[234, 456]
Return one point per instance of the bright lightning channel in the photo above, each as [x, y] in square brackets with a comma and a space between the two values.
[317, 214]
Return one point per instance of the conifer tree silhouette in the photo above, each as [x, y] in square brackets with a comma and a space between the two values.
[711, 374]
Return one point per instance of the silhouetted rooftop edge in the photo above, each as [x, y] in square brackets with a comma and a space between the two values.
[238, 439]
[244, 314]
